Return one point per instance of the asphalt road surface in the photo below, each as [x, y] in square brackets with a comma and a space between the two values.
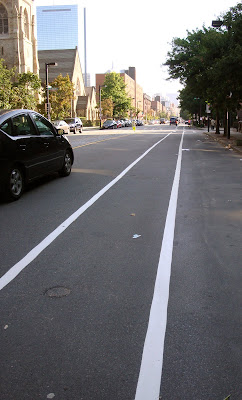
[123, 280]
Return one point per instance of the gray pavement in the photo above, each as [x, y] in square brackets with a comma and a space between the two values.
[234, 143]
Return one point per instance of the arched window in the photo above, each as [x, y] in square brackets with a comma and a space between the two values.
[3, 20]
[26, 24]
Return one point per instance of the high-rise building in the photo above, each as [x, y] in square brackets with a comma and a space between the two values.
[57, 27]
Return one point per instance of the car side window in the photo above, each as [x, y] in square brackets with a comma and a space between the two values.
[6, 127]
[22, 126]
[43, 125]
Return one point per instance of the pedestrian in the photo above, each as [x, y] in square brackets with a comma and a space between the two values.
[212, 124]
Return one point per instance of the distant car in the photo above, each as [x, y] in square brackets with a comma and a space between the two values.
[109, 124]
[173, 121]
[128, 122]
[60, 124]
[139, 122]
[30, 147]
[188, 122]
[75, 124]
[162, 121]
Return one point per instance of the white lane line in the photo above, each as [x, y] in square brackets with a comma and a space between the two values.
[19, 266]
[148, 386]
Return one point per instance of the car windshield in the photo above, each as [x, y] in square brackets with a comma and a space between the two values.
[70, 120]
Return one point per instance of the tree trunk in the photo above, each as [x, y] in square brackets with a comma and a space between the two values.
[217, 121]
[225, 123]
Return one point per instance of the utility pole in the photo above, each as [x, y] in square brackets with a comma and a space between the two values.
[85, 47]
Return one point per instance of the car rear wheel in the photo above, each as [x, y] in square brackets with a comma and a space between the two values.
[66, 169]
[15, 183]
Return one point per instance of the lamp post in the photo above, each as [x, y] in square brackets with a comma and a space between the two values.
[54, 64]
[218, 24]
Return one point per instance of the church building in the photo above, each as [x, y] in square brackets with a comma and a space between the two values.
[18, 45]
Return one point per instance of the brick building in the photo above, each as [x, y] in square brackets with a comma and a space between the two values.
[134, 91]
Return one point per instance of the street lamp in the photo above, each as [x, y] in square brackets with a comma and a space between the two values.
[100, 108]
[217, 24]
[54, 64]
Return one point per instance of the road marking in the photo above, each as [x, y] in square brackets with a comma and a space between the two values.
[19, 266]
[148, 386]
[103, 140]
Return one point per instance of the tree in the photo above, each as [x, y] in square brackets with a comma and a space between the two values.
[26, 91]
[6, 77]
[208, 62]
[114, 89]
[18, 91]
[61, 97]
[107, 108]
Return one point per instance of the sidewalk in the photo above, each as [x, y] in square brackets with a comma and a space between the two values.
[235, 141]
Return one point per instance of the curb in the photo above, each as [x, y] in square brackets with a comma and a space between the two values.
[227, 143]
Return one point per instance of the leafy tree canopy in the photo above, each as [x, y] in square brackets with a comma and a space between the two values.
[6, 79]
[115, 90]
[18, 91]
[26, 90]
[208, 62]
[61, 97]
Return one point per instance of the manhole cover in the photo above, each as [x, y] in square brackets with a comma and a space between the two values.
[58, 291]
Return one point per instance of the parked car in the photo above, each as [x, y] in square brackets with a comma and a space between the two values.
[162, 121]
[109, 124]
[75, 124]
[30, 147]
[139, 122]
[60, 124]
[188, 122]
[128, 122]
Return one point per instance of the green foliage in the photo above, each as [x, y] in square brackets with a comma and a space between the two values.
[208, 62]
[107, 108]
[6, 78]
[18, 91]
[26, 90]
[115, 91]
[61, 97]
[163, 114]
[185, 114]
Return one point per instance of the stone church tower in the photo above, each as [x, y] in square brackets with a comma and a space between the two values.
[18, 45]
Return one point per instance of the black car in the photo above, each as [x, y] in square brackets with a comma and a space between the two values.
[110, 124]
[30, 147]
[75, 124]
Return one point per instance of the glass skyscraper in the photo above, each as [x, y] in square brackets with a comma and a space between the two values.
[57, 27]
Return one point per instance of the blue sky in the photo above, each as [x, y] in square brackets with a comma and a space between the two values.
[129, 33]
